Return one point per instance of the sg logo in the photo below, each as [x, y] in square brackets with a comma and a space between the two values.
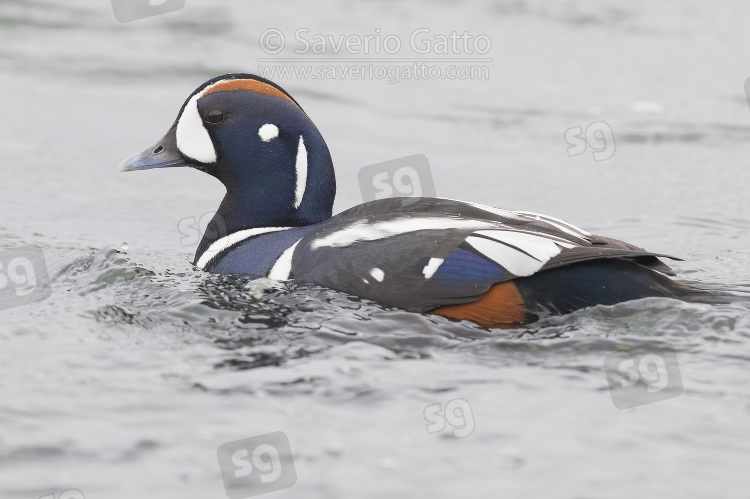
[642, 379]
[191, 229]
[23, 277]
[133, 10]
[457, 413]
[404, 177]
[598, 136]
[257, 465]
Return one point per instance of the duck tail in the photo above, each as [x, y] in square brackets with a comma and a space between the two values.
[717, 296]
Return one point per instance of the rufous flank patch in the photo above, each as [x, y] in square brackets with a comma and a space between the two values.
[501, 306]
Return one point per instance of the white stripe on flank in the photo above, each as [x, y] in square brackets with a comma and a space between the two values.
[432, 266]
[488, 209]
[363, 231]
[228, 241]
[510, 259]
[496, 211]
[282, 269]
[532, 253]
[538, 247]
[565, 243]
[550, 220]
[535, 250]
[301, 165]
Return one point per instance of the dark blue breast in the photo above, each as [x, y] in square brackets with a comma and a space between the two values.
[256, 255]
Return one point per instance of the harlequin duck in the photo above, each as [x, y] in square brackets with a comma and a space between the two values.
[458, 259]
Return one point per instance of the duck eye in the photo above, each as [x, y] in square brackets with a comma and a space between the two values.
[215, 117]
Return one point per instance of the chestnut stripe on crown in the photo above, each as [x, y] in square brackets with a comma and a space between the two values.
[246, 84]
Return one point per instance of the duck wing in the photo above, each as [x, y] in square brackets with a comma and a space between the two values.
[423, 253]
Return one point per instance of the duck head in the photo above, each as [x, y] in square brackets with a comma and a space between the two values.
[255, 138]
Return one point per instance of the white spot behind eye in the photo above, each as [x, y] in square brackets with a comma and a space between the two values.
[268, 132]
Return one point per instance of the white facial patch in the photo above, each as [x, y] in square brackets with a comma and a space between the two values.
[192, 137]
[268, 132]
[301, 165]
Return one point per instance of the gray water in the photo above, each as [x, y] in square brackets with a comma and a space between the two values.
[126, 380]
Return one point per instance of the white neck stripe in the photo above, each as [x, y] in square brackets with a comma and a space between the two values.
[227, 242]
[301, 165]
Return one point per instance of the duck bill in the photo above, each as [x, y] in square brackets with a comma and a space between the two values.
[163, 154]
